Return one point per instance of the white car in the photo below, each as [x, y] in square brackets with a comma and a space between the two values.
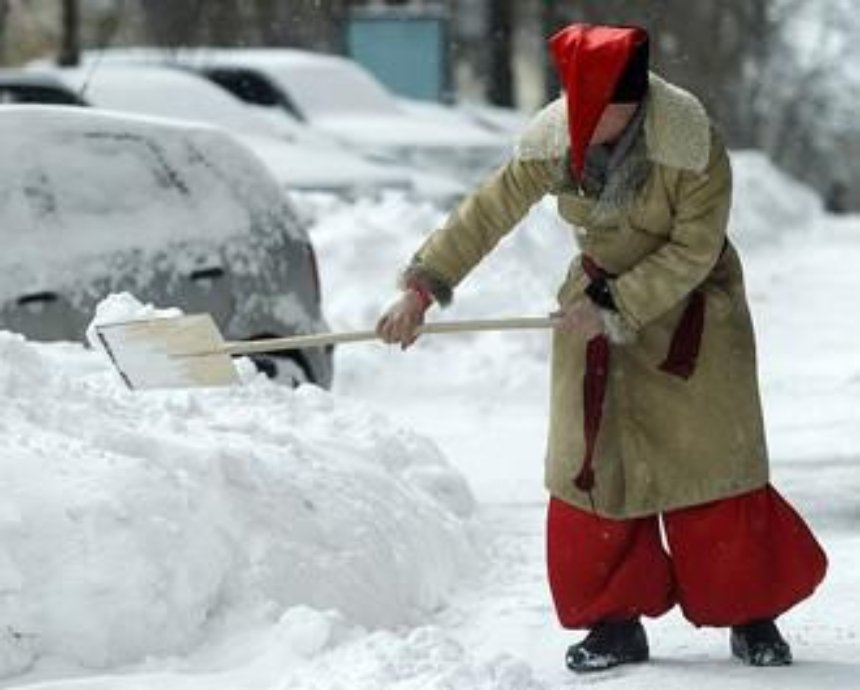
[94, 203]
[337, 96]
[301, 163]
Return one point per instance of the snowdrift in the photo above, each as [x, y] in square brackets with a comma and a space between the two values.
[131, 524]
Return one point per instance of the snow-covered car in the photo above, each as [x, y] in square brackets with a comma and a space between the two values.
[28, 86]
[299, 161]
[94, 203]
[340, 98]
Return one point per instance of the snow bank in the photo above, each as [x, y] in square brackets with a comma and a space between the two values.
[132, 523]
[769, 205]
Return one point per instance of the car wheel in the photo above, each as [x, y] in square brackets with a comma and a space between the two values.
[287, 369]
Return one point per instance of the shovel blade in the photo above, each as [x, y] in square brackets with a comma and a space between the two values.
[176, 352]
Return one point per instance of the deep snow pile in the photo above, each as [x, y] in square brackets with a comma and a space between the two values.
[131, 524]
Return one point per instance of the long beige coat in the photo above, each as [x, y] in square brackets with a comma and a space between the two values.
[664, 442]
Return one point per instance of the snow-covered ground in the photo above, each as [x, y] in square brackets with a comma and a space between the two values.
[267, 539]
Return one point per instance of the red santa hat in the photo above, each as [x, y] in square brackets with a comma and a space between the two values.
[598, 65]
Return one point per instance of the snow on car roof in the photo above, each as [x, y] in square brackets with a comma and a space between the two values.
[166, 92]
[317, 83]
[333, 93]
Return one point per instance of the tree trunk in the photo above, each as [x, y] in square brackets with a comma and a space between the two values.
[550, 22]
[70, 47]
[310, 24]
[4, 14]
[172, 23]
[501, 83]
[271, 24]
[225, 24]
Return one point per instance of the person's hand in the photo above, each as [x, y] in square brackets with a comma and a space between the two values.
[401, 319]
[580, 318]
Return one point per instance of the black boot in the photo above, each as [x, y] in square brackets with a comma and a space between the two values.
[609, 644]
[759, 644]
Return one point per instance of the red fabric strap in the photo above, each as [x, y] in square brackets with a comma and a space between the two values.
[687, 338]
[680, 361]
[592, 270]
[593, 389]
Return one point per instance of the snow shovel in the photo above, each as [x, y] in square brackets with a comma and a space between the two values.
[189, 351]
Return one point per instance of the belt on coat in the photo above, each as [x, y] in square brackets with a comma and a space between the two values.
[680, 361]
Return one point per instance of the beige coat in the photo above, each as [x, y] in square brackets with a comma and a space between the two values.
[664, 442]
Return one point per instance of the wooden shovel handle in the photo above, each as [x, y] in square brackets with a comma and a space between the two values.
[468, 326]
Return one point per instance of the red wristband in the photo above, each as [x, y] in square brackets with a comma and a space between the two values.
[423, 294]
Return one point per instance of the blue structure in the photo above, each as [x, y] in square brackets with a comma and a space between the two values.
[406, 51]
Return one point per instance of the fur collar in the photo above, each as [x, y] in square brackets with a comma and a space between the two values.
[677, 129]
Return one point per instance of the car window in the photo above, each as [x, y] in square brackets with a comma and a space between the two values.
[37, 94]
[248, 86]
[252, 88]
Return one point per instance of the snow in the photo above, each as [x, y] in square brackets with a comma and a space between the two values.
[168, 93]
[389, 535]
[158, 515]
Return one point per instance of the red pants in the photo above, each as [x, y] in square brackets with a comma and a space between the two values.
[729, 562]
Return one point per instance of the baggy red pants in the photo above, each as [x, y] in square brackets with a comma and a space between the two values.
[728, 562]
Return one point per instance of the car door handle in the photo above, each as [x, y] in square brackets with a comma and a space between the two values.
[46, 297]
[211, 273]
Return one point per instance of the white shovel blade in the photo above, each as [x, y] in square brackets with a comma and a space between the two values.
[177, 352]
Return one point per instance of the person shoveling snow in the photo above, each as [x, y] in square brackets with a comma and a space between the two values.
[655, 401]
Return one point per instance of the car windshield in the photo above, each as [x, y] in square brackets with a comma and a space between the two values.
[324, 90]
